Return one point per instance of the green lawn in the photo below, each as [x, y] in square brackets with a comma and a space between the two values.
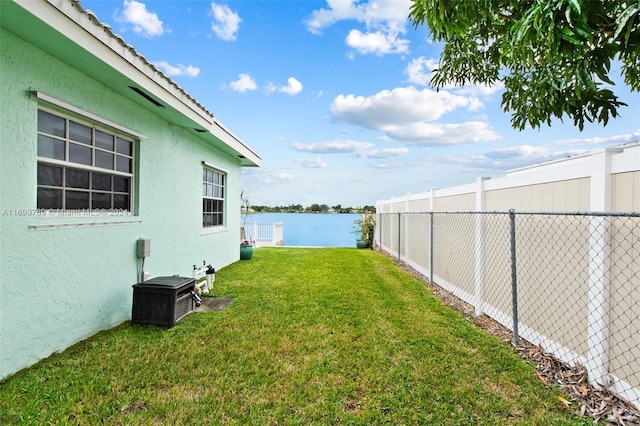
[314, 336]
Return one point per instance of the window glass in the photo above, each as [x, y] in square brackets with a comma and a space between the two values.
[79, 154]
[76, 200]
[121, 201]
[100, 200]
[50, 147]
[101, 181]
[123, 164]
[79, 132]
[49, 198]
[49, 175]
[77, 179]
[51, 124]
[104, 160]
[124, 147]
[120, 184]
[104, 140]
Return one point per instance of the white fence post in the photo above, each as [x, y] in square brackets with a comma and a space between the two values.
[406, 228]
[479, 255]
[432, 207]
[599, 293]
[432, 201]
[599, 265]
[391, 210]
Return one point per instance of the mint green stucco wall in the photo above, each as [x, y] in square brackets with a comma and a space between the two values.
[59, 286]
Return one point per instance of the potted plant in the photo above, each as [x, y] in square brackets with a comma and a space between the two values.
[365, 228]
[246, 245]
[246, 250]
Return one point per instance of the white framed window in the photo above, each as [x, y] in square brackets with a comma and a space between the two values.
[82, 166]
[213, 193]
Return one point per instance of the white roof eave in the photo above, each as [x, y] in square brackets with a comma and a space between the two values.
[83, 28]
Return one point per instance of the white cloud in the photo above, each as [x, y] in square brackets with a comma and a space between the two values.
[384, 22]
[378, 42]
[405, 114]
[244, 83]
[440, 134]
[475, 104]
[312, 163]
[270, 87]
[338, 10]
[373, 12]
[383, 153]
[400, 105]
[609, 140]
[508, 158]
[292, 88]
[264, 179]
[333, 147]
[420, 70]
[388, 165]
[226, 22]
[522, 151]
[177, 70]
[144, 22]
[359, 149]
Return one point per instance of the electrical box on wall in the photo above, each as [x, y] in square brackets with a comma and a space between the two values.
[144, 247]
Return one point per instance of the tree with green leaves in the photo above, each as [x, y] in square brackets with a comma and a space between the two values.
[554, 57]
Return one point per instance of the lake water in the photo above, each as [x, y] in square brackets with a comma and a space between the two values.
[313, 229]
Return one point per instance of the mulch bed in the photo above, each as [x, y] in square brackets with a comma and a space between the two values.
[586, 400]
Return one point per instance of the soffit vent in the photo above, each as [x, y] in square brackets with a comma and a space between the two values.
[146, 96]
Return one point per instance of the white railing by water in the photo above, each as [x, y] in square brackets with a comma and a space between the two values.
[265, 233]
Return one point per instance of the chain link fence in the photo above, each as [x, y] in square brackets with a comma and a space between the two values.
[569, 282]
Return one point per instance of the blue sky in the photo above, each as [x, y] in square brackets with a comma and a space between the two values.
[335, 97]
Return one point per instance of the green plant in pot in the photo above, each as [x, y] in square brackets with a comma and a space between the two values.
[365, 228]
[246, 244]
